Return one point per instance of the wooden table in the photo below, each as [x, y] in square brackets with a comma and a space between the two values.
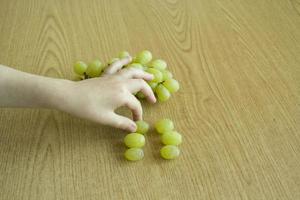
[238, 63]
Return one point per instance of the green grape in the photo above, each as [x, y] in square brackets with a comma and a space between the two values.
[171, 138]
[80, 68]
[143, 57]
[142, 127]
[164, 125]
[158, 64]
[140, 95]
[169, 152]
[166, 74]
[156, 73]
[94, 69]
[135, 65]
[123, 54]
[113, 60]
[134, 154]
[162, 93]
[172, 85]
[152, 85]
[134, 140]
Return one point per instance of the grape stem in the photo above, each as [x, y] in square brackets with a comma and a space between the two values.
[86, 76]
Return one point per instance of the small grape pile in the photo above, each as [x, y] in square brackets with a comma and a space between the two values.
[169, 137]
[163, 83]
[135, 142]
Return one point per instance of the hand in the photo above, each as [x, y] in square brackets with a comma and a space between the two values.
[96, 99]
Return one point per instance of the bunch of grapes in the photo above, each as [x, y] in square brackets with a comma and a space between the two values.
[169, 137]
[163, 83]
[135, 142]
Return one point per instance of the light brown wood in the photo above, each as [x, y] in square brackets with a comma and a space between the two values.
[238, 63]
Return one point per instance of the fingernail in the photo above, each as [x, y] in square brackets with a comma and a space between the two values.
[132, 127]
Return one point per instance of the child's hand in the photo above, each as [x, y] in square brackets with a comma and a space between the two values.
[96, 99]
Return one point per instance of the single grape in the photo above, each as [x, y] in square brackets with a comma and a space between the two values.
[162, 93]
[134, 140]
[169, 152]
[140, 95]
[113, 60]
[142, 127]
[158, 64]
[156, 73]
[135, 65]
[80, 68]
[123, 54]
[143, 57]
[94, 69]
[134, 154]
[166, 74]
[171, 138]
[152, 85]
[172, 85]
[164, 125]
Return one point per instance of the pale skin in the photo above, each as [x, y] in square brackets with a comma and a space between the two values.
[94, 99]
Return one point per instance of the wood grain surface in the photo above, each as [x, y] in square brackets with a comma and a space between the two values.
[238, 109]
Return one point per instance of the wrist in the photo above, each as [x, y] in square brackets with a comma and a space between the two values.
[54, 93]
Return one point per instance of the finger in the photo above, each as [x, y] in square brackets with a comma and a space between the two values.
[136, 73]
[116, 66]
[135, 106]
[136, 85]
[121, 122]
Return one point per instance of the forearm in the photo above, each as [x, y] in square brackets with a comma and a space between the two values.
[20, 89]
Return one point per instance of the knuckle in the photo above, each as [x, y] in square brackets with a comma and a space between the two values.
[118, 81]
[102, 119]
[146, 86]
[125, 71]
[123, 90]
[117, 63]
[107, 72]
[141, 82]
[123, 97]
[119, 124]
[139, 105]
[131, 71]
[124, 100]
[136, 104]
